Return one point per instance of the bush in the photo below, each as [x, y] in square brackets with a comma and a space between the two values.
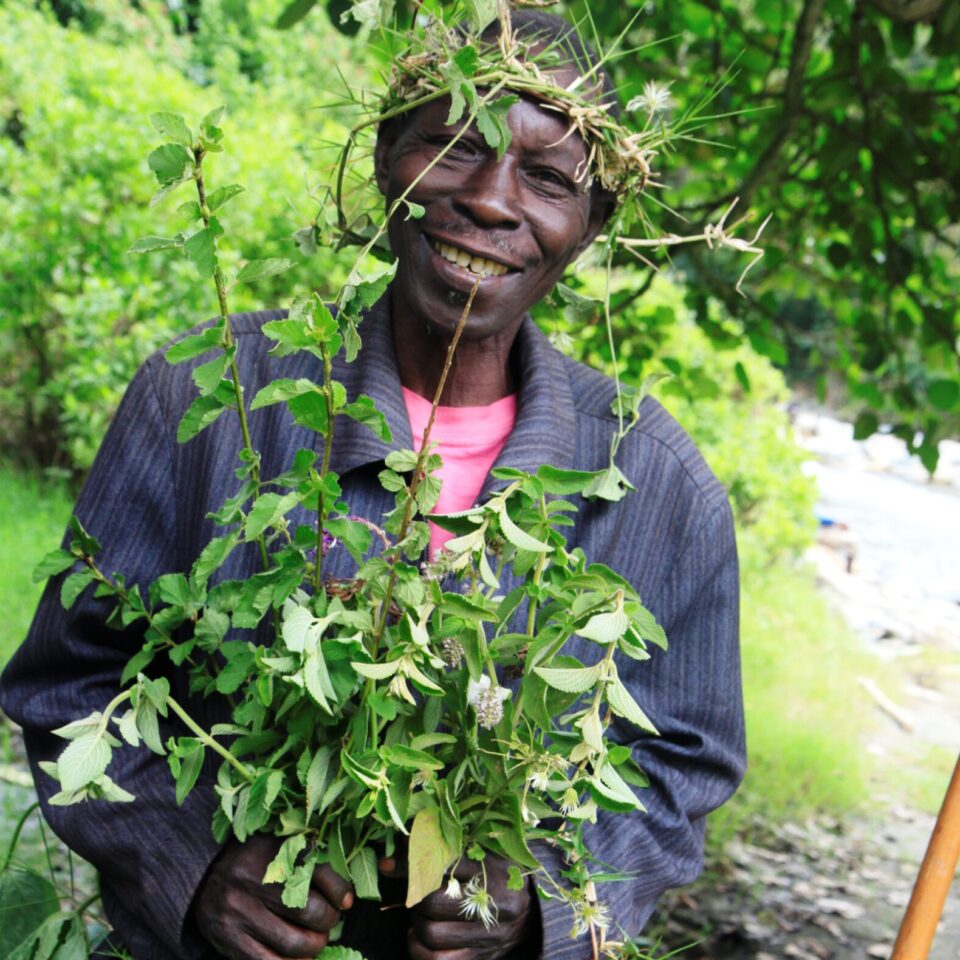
[77, 312]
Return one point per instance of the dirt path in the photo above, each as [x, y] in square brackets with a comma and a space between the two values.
[825, 890]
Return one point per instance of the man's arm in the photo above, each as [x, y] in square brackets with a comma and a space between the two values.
[693, 694]
[151, 853]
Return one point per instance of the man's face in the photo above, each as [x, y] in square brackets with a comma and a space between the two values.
[518, 221]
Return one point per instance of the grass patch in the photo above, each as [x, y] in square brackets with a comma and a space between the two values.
[33, 515]
[804, 707]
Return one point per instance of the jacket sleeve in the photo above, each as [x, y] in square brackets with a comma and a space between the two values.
[151, 854]
[693, 694]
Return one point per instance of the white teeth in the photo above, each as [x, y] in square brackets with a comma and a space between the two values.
[479, 265]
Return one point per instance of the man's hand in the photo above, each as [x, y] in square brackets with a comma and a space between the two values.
[245, 919]
[440, 930]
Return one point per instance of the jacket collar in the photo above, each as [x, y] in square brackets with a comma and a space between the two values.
[544, 432]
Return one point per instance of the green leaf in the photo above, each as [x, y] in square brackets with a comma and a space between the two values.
[213, 556]
[146, 244]
[563, 482]
[267, 510]
[866, 425]
[85, 759]
[364, 411]
[407, 757]
[622, 703]
[73, 586]
[26, 899]
[609, 484]
[56, 561]
[944, 394]
[310, 411]
[363, 873]
[149, 726]
[222, 195]
[519, 538]
[492, 123]
[279, 391]
[339, 953]
[204, 411]
[258, 269]
[456, 604]
[201, 250]
[292, 14]
[355, 536]
[428, 856]
[208, 375]
[195, 345]
[572, 680]
[317, 678]
[376, 671]
[173, 127]
[138, 662]
[284, 863]
[171, 163]
[191, 763]
[317, 777]
[605, 627]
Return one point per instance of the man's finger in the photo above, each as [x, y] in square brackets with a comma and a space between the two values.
[452, 934]
[281, 938]
[419, 951]
[338, 891]
[318, 914]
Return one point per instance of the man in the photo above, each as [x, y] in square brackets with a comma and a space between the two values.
[516, 221]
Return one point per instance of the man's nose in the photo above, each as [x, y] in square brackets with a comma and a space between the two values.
[490, 196]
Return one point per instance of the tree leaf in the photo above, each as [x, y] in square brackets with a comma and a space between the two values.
[293, 13]
[173, 127]
[401, 755]
[267, 510]
[282, 390]
[376, 671]
[205, 411]
[56, 561]
[363, 872]
[209, 375]
[519, 538]
[364, 411]
[85, 759]
[195, 345]
[570, 680]
[623, 704]
[146, 244]
[27, 899]
[201, 250]
[258, 269]
[213, 556]
[605, 627]
[222, 195]
[171, 163]
[317, 776]
[428, 856]
[74, 585]
[563, 482]
[191, 763]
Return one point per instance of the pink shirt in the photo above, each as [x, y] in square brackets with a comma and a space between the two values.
[470, 440]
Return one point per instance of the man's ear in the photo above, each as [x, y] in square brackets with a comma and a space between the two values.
[386, 137]
[602, 205]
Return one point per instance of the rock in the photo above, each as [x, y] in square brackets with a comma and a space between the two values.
[842, 908]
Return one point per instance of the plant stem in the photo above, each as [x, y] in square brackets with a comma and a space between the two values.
[16, 834]
[229, 345]
[82, 908]
[537, 575]
[421, 460]
[324, 465]
[209, 741]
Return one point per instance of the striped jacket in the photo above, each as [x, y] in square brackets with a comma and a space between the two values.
[147, 499]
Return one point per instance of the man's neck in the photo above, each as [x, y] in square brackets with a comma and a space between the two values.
[480, 374]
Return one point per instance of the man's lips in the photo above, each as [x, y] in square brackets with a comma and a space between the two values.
[470, 258]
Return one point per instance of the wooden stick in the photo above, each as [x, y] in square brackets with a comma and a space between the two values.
[919, 923]
[886, 704]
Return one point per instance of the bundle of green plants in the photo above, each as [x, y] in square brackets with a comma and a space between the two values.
[379, 708]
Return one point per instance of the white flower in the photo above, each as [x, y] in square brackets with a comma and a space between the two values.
[570, 801]
[487, 700]
[539, 778]
[654, 99]
[477, 903]
[475, 688]
[453, 891]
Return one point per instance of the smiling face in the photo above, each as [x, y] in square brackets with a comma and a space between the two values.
[516, 222]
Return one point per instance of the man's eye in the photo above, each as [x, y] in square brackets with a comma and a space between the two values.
[551, 179]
